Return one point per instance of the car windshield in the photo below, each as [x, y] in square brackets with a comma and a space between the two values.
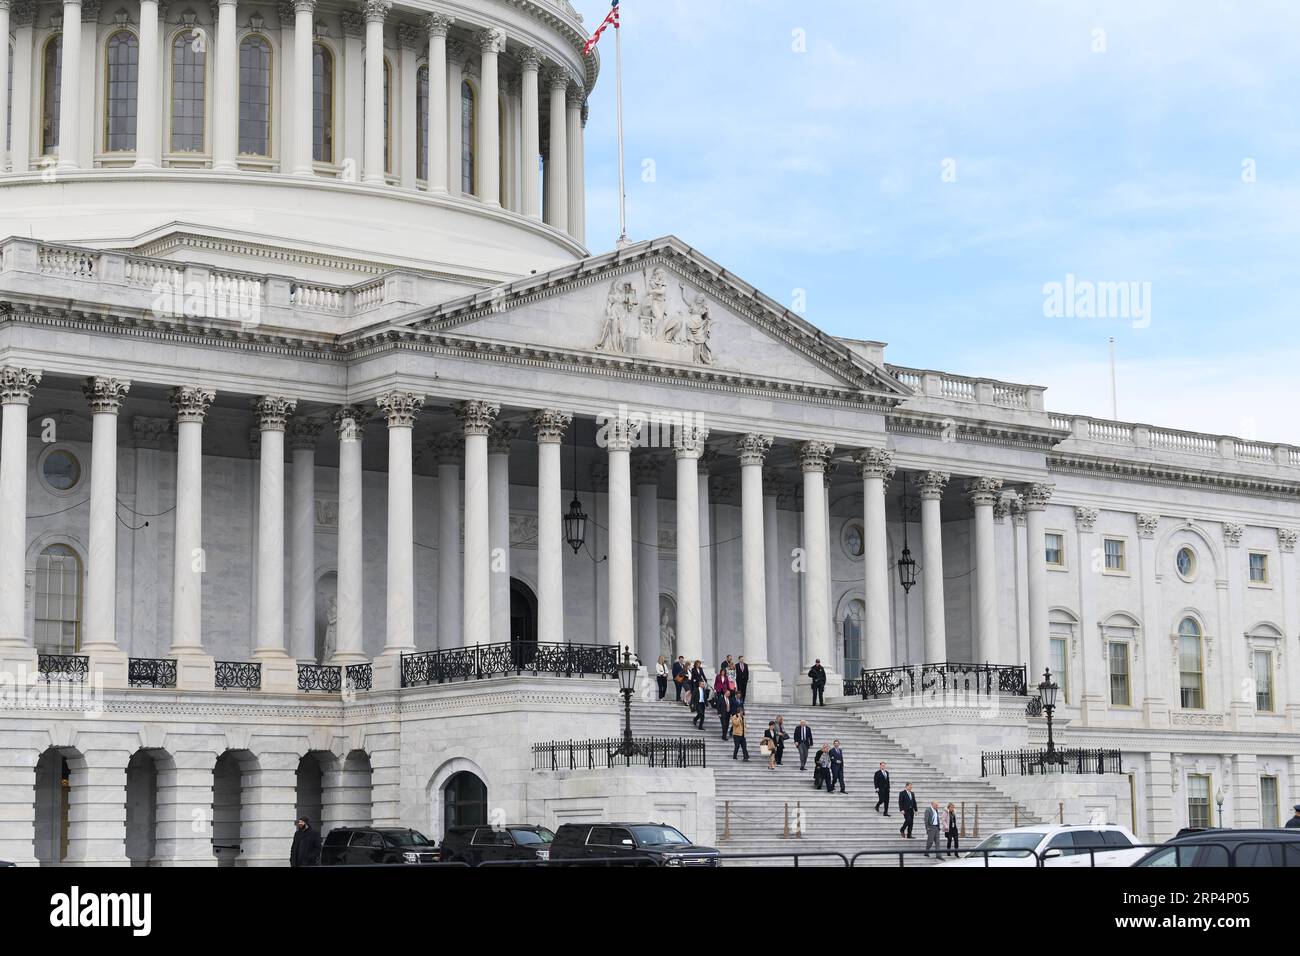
[407, 838]
[1015, 840]
[659, 836]
[540, 835]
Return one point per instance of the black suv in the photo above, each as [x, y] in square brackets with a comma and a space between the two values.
[1226, 847]
[639, 844]
[475, 845]
[362, 846]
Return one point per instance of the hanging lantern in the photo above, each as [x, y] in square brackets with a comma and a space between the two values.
[906, 567]
[575, 526]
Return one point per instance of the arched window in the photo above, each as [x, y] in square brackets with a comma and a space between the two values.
[189, 93]
[122, 59]
[58, 600]
[255, 96]
[422, 123]
[1191, 666]
[468, 126]
[322, 104]
[851, 627]
[464, 801]
[51, 76]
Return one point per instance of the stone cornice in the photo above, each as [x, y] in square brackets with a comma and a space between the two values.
[978, 431]
[1173, 476]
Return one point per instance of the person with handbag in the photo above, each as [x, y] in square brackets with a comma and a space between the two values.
[781, 738]
[661, 676]
[823, 771]
[723, 704]
[679, 677]
[738, 734]
[701, 702]
[951, 830]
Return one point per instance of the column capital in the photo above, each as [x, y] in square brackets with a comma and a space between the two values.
[105, 394]
[828, 473]
[476, 417]
[353, 23]
[372, 10]
[400, 408]
[447, 449]
[530, 60]
[350, 422]
[24, 13]
[304, 6]
[1002, 507]
[550, 425]
[1017, 506]
[1147, 525]
[753, 448]
[492, 40]
[456, 52]
[272, 412]
[1037, 495]
[875, 463]
[1286, 539]
[576, 93]
[688, 441]
[983, 491]
[410, 36]
[500, 438]
[774, 482]
[17, 384]
[647, 469]
[557, 79]
[1085, 518]
[191, 402]
[438, 24]
[932, 484]
[618, 432]
[815, 455]
[303, 433]
[148, 432]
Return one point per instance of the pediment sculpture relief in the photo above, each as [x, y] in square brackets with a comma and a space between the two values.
[642, 321]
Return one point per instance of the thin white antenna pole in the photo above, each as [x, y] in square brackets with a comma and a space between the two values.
[622, 187]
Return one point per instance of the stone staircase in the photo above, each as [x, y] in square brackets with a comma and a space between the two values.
[841, 822]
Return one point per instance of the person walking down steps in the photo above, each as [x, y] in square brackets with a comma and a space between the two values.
[738, 734]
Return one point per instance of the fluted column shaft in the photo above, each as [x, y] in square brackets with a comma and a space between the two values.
[557, 164]
[488, 146]
[477, 418]
[983, 494]
[272, 413]
[400, 410]
[646, 472]
[70, 87]
[1035, 501]
[816, 617]
[753, 450]
[376, 11]
[550, 424]
[622, 624]
[439, 25]
[689, 445]
[302, 542]
[16, 386]
[935, 640]
[189, 560]
[298, 154]
[531, 148]
[349, 634]
[451, 452]
[105, 397]
[225, 101]
[574, 153]
[148, 136]
[499, 528]
[876, 465]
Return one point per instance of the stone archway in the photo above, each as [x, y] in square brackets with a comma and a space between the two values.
[143, 771]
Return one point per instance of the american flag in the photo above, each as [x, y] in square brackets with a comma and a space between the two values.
[611, 20]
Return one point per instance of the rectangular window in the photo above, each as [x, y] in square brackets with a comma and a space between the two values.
[1268, 803]
[1119, 682]
[1263, 661]
[1055, 545]
[1060, 647]
[1258, 567]
[1190, 677]
[1198, 800]
[1114, 552]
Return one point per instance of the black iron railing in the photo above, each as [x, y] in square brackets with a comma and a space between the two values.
[518, 657]
[600, 754]
[1030, 762]
[151, 672]
[62, 668]
[1034, 708]
[322, 677]
[358, 677]
[239, 675]
[919, 680]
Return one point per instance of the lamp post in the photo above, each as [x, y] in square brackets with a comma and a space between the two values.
[627, 674]
[1047, 690]
[1218, 799]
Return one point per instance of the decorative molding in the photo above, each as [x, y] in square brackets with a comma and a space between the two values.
[523, 531]
[1085, 518]
[272, 412]
[372, 9]
[647, 469]
[17, 384]
[1036, 495]
[983, 491]
[400, 408]
[932, 484]
[814, 456]
[410, 36]
[1232, 533]
[105, 394]
[1175, 477]
[875, 463]
[191, 402]
[1002, 508]
[753, 448]
[667, 539]
[350, 422]
[723, 488]
[1196, 720]
[352, 23]
[23, 13]
[327, 514]
[530, 59]
[1017, 511]
[492, 40]
[476, 417]
[1286, 538]
[551, 424]
[438, 24]
[688, 441]
[1147, 525]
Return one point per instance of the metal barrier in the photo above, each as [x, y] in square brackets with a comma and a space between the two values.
[1289, 851]
[962, 854]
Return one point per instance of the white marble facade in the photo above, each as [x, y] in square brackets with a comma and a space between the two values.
[330, 420]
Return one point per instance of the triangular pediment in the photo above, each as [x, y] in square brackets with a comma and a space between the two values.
[657, 306]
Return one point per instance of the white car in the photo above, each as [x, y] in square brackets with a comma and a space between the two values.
[1069, 845]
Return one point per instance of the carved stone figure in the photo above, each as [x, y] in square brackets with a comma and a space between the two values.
[331, 630]
[620, 307]
[655, 308]
[667, 633]
[699, 327]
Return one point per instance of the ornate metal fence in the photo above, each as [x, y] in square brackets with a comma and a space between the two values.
[600, 754]
[320, 677]
[151, 672]
[518, 657]
[358, 676]
[63, 668]
[921, 680]
[239, 675]
[1077, 760]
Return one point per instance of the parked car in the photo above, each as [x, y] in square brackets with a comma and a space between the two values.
[637, 843]
[514, 841]
[1093, 844]
[1227, 847]
[368, 846]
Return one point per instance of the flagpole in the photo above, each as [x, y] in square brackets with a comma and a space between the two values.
[622, 187]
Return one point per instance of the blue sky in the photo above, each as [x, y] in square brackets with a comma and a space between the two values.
[1107, 140]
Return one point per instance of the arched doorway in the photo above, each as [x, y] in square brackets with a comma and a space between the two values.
[53, 797]
[523, 623]
[851, 617]
[142, 772]
[464, 801]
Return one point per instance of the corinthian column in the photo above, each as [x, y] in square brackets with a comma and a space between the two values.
[476, 418]
[813, 459]
[439, 25]
[688, 445]
[148, 138]
[16, 387]
[619, 433]
[557, 164]
[350, 634]
[489, 123]
[646, 470]
[298, 155]
[1035, 499]
[577, 97]
[376, 11]
[70, 87]
[876, 467]
[4, 80]
[279, 671]
[550, 424]
[225, 101]
[764, 682]
[500, 439]
[932, 485]
[400, 409]
[530, 62]
[450, 453]
[189, 561]
[303, 433]
[983, 494]
[105, 397]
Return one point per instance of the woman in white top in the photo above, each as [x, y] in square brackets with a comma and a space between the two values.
[662, 676]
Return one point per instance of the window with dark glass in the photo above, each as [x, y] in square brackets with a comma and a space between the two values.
[189, 104]
[51, 76]
[467, 127]
[255, 96]
[322, 104]
[422, 123]
[1191, 679]
[123, 65]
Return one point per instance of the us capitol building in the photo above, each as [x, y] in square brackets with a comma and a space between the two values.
[303, 358]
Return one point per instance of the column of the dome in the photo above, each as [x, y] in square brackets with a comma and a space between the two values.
[573, 150]
[557, 165]
[488, 125]
[439, 25]
[299, 152]
[376, 12]
[148, 135]
[4, 82]
[455, 79]
[22, 17]
[409, 38]
[531, 63]
[70, 87]
[225, 100]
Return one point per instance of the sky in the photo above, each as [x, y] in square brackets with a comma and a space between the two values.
[920, 172]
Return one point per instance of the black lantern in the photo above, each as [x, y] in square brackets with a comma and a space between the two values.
[906, 563]
[1047, 692]
[575, 522]
[627, 675]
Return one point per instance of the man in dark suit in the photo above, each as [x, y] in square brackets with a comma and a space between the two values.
[907, 804]
[837, 766]
[817, 674]
[803, 739]
[881, 783]
[701, 703]
[742, 676]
